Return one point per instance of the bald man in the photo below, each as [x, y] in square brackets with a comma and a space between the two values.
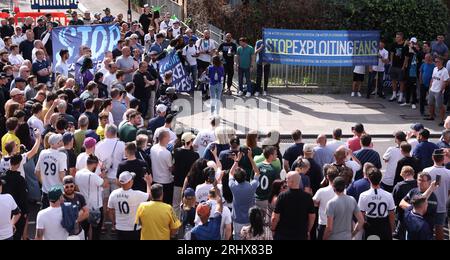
[126, 64]
[293, 218]
[322, 154]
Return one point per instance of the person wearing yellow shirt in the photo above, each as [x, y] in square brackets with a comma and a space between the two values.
[158, 220]
[11, 125]
[103, 121]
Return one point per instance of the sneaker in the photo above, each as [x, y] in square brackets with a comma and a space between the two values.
[256, 94]
[353, 94]
[265, 93]
[359, 94]
[393, 98]
[404, 104]
[414, 107]
[240, 93]
[248, 94]
[374, 92]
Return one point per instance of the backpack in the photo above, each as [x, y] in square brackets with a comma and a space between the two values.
[70, 216]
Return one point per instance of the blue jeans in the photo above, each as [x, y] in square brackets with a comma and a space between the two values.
[192, 70]
[245, 73]
[215, 91]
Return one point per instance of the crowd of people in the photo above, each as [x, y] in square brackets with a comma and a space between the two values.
[418, 73]
[80, 146]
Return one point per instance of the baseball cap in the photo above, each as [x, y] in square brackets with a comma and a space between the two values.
[68, 180]
[308, 148]
[126, 177]
[235, 140]
[67, 137]
[15, 91]
[417, 127]
[187, 137]
[91, 133]
[161, 108]
[204, 210]
[55, 193]
[153, 53]
[189, 192]
[89, 143]
[55, 139]
[413, 39]
[146, 5]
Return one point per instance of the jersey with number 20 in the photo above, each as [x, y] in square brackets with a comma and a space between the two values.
[376, 203]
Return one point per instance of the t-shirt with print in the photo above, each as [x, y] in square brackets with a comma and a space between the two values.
[50, 163]
[7, 206]
[202, 140]
[208, 46]
[400, 52]
[228, 50]
[267, 176]
[323, 196]
[342, 209]
[5, 164]
[245, 56]
[440, 76]
[125, 204]
[189, 52]
[376, 203]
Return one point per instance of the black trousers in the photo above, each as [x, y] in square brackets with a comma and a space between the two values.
[167, 193]
[262, 70]
[373, 81]
[44, 201]
[228, 77]
[96, 231]
[378, 227]
[423, 99]
[20, 226]
[128, 235]
[411, 90]
[321, 231]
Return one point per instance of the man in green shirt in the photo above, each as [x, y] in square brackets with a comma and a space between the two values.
[80, 134]
[268, 174]
[127, 133]
[244, 62]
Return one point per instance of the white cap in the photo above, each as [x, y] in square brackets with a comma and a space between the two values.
[15, 91]
[55, 139]
[161, 108]
[126, 177]
[413, 39]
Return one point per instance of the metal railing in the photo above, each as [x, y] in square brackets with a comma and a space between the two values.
[174, 7]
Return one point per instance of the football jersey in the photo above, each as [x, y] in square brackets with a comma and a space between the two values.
[50, 163]
[5, 164]
[125, 204]
[376, 203]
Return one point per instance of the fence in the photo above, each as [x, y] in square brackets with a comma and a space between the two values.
[174, 7]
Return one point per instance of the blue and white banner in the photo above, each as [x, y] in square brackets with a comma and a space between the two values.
[100, 38]
[182, 81]
[321, 48]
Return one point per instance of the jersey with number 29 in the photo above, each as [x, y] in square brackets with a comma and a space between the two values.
[376, 203]
[51, 162]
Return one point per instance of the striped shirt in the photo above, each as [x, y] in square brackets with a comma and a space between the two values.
[366, 155]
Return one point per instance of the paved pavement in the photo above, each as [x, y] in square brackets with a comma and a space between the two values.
[312, 114]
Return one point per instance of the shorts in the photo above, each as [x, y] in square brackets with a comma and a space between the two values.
[358, 77]
[435, 99]
[112, 187]
[397, 74]
[440, 219]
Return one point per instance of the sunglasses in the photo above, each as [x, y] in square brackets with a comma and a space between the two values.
[69, 186]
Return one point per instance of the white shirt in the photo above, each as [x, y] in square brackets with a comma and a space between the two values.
[360, 70]
[335, 144]
[354, 166]
[82, 163]
[90, 186]
[226, 217]
[392, 155]
[376, 203]
[49, 220]
[50, 163]
[125, 204]
[438, 79]
[165, 25]
[161, 164]
[189, 52]
[202, 140]
[18, 39]
[413, 142]
[322, 196]
[62, 68]
[35, 122]
[384, 56]
[176, 32]
[7, 205]
[173, 136]
[111, 157]
[442, 191]
[202, 192]
[108, 80]
[206, 45]
[16, 60]
[5, 164]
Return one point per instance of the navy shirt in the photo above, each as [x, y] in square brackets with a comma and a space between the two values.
[156, 123]
[366, 155]
[208, 231]
[424, 152]
[293, 152]
[40, 65]
[358, 187]
[416, 227]
[442, 144]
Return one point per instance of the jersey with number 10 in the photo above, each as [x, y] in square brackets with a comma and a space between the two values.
[268, 176]
[51, 162]
[125, 204]
[376, 203]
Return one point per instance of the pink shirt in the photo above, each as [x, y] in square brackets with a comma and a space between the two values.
[354, 143]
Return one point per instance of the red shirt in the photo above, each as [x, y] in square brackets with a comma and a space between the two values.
[354, 143]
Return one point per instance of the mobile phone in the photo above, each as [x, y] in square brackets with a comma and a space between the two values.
[438, 180]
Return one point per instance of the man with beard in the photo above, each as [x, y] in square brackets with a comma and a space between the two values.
[228, 50]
